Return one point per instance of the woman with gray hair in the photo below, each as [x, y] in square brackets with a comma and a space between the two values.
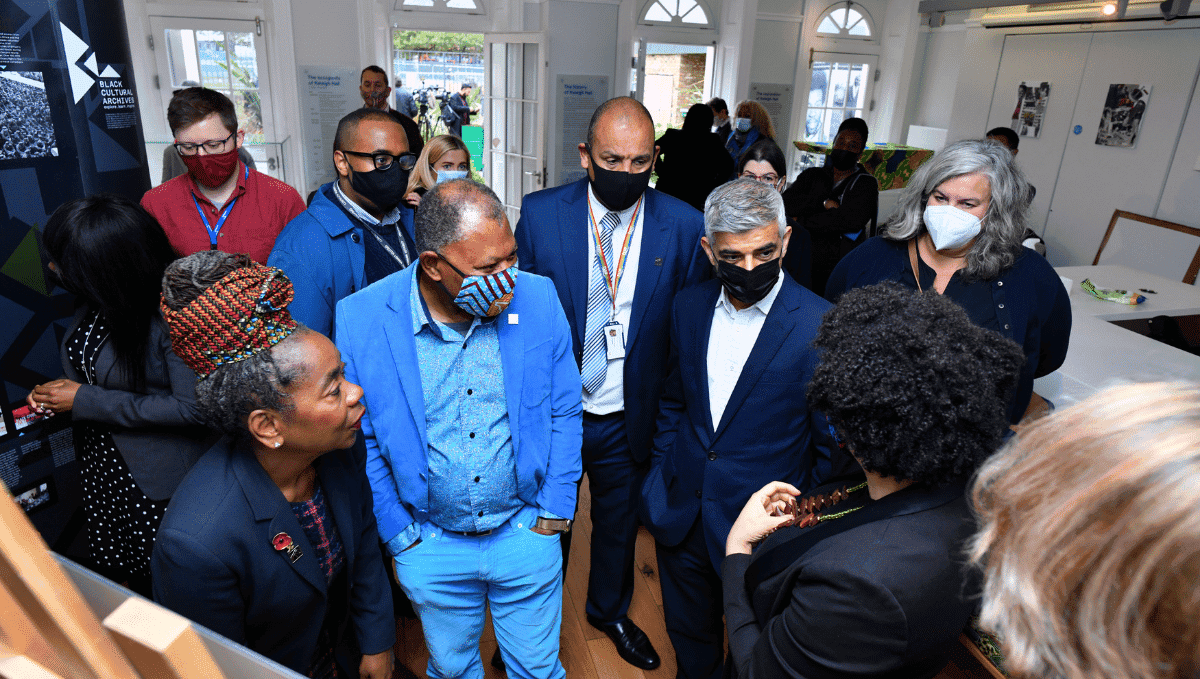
[958, 231]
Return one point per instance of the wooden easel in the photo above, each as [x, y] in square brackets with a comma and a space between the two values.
[48, 630]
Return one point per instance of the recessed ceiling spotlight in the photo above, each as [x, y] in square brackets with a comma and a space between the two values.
[1110, 8]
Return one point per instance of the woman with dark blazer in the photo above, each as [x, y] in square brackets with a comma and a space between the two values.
[958, 231]
[271, 540]
[137, 429]
[865, 577]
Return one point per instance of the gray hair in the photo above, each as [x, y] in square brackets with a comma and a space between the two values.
[446, 209]
[227, 396]
[743, 205]
[999, 242]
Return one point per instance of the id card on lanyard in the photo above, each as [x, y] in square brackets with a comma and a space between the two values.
[614, 333]
[214, 231]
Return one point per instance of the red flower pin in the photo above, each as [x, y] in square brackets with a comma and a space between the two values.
[281, 541]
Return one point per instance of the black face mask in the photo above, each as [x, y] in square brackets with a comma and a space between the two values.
[842, 159]
[750, 286]
[384, 188]
[618, 190]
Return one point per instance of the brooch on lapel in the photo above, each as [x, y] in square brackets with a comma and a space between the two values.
[283, 543]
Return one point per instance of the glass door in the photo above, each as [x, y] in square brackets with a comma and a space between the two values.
[228, 56]
[514, 115]
[839, 88]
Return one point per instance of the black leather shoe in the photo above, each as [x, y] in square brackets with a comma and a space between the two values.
[497, 661]
[632, 643]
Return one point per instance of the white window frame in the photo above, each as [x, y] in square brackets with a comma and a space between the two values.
[676, 20]
[442, 7]
[843, 34]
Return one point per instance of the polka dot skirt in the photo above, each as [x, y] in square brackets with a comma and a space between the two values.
[121, 521]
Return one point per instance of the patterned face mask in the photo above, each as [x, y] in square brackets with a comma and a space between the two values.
[485, 294]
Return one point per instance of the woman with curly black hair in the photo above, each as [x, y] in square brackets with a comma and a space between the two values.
[865, 577]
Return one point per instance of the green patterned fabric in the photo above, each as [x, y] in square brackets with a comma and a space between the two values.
[988, 644]
[892, 164]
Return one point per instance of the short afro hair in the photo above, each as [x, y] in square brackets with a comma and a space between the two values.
[916, 390]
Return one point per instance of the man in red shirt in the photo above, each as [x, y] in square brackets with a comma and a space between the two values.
[220, 204]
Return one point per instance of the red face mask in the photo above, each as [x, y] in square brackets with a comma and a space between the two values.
[211, 170]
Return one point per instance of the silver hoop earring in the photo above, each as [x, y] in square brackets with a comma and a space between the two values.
[278, 443]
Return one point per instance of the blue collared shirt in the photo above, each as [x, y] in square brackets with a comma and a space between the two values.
[472, 465]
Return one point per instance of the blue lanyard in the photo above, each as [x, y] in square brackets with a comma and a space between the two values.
[213, 232]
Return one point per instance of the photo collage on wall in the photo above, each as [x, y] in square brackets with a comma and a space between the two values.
[1030, 111]
[1122, 116]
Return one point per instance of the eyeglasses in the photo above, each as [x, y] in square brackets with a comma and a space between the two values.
[383, 161]
[211, 146]
[769, 178]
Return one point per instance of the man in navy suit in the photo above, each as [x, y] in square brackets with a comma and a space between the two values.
[617, 253]
[734, 416]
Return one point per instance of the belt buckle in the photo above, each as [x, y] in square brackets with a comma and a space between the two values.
[478, 533]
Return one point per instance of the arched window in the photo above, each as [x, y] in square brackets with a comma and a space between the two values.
[689, 13]
[460, 6]
[846, 20]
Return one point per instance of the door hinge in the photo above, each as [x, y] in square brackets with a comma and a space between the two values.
[876, 75]
[633, 62]
[872, 106]
[257, 26]
[157, 86]
[150, 40]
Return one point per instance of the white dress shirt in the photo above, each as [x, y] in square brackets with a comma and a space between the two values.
[610, 397]
[732, 337]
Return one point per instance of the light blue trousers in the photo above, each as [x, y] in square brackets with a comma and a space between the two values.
[518, 573]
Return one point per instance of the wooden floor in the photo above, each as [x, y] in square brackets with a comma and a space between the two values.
[585, 652]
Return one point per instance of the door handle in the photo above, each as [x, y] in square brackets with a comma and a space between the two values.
[536, 174]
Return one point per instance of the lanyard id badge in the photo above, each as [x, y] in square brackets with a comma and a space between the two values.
[614, 332]
[215, 231]
[614, 340]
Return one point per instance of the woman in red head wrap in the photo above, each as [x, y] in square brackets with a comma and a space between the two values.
[270, 540]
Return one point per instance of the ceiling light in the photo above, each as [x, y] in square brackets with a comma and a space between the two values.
[1109, 9]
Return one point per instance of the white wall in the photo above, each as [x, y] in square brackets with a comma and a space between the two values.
[1181, 193]
[938, 77]
[583, 41]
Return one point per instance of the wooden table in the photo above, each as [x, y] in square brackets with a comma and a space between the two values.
[1102, 354]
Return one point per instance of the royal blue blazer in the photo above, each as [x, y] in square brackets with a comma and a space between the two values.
[552, 241]
[766, 433]
[214, 561]
[374, 330]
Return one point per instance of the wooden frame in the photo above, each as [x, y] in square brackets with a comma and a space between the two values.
[1189, 276]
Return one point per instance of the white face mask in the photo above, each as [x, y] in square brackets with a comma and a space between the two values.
[741, 124]
[447, 175]
[950, 227]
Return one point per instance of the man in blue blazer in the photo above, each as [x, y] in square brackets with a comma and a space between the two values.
[357, 229]
[734, 416]
[618, 253]
[472, 432]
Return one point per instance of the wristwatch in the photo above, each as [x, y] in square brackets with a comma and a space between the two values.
[560, 525]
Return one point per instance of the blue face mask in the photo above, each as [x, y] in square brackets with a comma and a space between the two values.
[485, 294]
[741, 124]
[447, 175]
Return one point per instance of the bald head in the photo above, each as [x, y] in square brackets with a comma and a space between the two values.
[450, 210]
[626, 109]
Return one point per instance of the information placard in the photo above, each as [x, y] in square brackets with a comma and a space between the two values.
[326, 94]
[578, 96]
[777, 99]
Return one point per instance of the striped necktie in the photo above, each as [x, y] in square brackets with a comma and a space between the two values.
[599, 310]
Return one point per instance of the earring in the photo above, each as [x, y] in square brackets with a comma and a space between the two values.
[278, 443]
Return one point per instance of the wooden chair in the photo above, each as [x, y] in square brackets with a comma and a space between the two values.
[1151, 245]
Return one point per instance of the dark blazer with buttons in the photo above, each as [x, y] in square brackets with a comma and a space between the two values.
[766, 432]
[880, 592]
[157, 430]
[214, 562]
[552, 241]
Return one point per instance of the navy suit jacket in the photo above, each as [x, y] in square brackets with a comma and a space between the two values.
[214, 561]
[765, 434]
[552, 241]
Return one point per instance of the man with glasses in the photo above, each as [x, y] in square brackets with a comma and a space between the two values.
[358, 228]
[221, 203]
